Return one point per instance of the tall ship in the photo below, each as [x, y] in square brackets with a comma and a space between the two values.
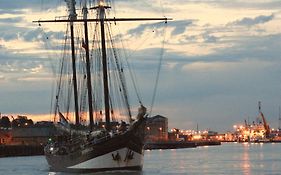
[105, 136]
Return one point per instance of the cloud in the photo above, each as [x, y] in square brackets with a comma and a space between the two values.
[20, 67]
[39, 34]
[205, 66]
[10, 11]
[142, 27]
[12, 63]
[258, 48]
[11, 32]
[179, 27]
[208, 38]
[241, 4]
[253, 21]
[10, 20]
[2, 77]
[16, 6]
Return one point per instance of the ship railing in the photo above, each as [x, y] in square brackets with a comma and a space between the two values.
[104, 138]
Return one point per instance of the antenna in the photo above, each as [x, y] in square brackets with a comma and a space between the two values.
[279, 123]
[259, 106]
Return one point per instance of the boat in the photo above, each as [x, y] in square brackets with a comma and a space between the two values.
[257, 132]
[105, 144]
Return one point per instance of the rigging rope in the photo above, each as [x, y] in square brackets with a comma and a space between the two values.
[59, 84]
[116, 76]
[47, 47]
[160, 62]
[120, 73]
[158, 69]
[52, 54]
[132, 75]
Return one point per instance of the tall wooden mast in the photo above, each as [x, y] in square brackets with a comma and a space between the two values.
[73, 17]
[101, 10]
[88, 67]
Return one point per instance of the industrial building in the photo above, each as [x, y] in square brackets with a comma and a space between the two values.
[157, 129]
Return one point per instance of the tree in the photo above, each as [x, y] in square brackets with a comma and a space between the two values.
[22, 121]
[5, 122]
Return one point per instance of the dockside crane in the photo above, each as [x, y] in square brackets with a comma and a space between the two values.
[266, 126]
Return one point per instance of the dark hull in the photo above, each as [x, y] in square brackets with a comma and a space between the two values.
[120, 152]
[94, 170]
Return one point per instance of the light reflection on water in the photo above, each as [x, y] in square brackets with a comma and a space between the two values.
[229, 158]
[245, 163]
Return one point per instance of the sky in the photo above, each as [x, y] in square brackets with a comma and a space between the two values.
[220, 57]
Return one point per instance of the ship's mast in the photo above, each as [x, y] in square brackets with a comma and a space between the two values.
[101, 7]
[101, 10]
[88, 67]
[72, 17]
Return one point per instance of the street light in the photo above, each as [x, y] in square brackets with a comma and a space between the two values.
[160, 134]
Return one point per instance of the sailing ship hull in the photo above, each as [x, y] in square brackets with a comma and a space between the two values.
[120, 152]
[101, 163]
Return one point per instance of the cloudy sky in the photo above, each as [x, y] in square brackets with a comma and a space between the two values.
[220, 58]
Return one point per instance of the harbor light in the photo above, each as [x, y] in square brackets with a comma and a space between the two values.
[197, 137]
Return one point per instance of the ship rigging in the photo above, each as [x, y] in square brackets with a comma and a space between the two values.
[117, 145]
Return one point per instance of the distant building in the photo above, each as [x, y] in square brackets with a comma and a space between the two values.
[5, 137]
[157, 129]
[37, 134]
[176, 135]
[173, 136]
[228, 137]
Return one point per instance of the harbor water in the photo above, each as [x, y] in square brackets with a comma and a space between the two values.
[229, 158]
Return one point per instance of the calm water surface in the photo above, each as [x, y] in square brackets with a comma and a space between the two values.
[229, 158]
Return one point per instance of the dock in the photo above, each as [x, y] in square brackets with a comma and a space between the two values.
[179, 144]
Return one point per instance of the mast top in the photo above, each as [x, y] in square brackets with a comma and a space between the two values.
[101, 5]
[71, 8]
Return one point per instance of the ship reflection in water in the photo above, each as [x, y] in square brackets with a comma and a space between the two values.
[229, 158]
